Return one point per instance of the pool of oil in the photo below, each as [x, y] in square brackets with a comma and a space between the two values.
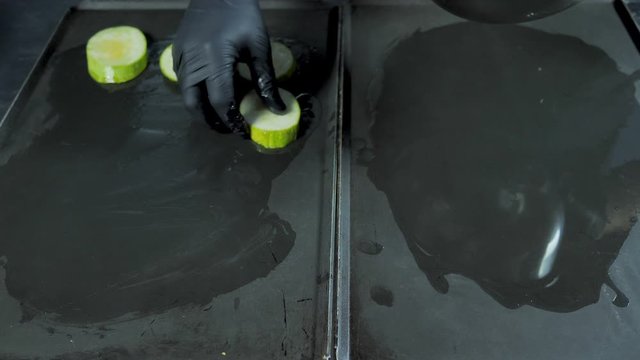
[498, 181]
[132, 229]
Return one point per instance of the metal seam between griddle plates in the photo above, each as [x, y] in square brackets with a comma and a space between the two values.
[343, 231]
[327, 352]
[338, 314]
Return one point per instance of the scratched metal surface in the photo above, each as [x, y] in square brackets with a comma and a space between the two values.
[495, 186]
[130, 230]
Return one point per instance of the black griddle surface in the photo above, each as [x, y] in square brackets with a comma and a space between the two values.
[130, 228]
[496, 186]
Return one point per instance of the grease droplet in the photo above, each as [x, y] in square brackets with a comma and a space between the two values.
[381, 296]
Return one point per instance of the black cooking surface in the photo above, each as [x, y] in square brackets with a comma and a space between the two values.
[495, 194]
[128, 227]
[496, 187]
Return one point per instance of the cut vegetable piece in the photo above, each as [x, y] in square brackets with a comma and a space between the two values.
[166, 64]
[272, 131]
[284, 64]
[116, 55]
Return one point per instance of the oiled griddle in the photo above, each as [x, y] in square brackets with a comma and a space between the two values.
[132, 230]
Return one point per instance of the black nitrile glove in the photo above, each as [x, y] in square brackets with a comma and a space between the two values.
[213, 36]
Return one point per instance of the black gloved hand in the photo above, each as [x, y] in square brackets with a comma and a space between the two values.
[213, 36]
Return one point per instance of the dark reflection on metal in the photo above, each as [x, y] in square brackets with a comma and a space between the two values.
[505, 11]
[122, 204]
[493, 146]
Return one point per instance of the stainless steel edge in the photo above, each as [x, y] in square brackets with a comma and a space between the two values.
[328, 341]
[37, 66]
[629, 20]
[132, 5]
[182, 4]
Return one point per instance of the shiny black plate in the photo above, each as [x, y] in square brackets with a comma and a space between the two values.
[130, 230]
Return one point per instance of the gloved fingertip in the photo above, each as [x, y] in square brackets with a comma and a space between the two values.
[274, 102]
[191, 98]
[265, 85]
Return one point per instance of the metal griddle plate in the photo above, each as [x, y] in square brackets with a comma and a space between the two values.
[495, 186]
[130, 231]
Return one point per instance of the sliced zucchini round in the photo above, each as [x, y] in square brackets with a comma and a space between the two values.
[270, 130]
[166, 64]
[117, 54]
[284, 64]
